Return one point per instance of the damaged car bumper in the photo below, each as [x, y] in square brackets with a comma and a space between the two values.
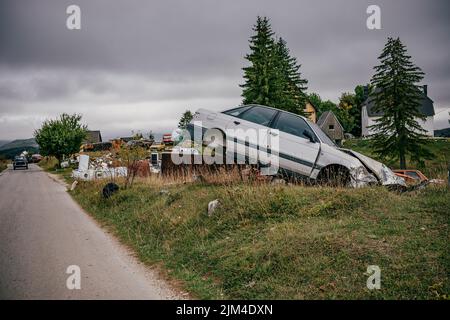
[372, 172]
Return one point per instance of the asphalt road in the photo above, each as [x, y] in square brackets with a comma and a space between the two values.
[43, 232]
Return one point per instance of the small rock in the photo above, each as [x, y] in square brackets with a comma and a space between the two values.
[164, 192]
[372, 236]
[73, 186]
[212, 206]
[423, 228]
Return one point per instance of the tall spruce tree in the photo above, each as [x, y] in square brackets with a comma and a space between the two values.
[263, 81]
[293, 96]
[397, 96]
[186, 117]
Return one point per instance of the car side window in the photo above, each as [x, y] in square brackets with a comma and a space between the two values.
[292, 124]
[236, 111]
[259, 115]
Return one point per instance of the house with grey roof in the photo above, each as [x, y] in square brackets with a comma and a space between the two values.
[93, 136]
[330, 124]
[369, 115]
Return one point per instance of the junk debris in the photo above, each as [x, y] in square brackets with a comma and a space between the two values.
[411, 176]
[65, 164]
[74, 185]
[97, 169]
[109, 189]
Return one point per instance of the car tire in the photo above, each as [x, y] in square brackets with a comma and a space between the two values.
[334, 176]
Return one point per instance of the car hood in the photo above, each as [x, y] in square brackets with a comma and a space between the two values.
[381, 171]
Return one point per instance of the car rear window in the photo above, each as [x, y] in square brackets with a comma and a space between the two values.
[235, 112]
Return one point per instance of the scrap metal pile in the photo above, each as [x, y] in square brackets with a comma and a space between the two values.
[100, 168]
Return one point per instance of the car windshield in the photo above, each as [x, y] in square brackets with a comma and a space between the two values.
[322, 135]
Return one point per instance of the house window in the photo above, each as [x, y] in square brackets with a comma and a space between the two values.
[331, 127]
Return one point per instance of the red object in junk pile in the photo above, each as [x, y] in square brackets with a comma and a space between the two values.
[167, 138]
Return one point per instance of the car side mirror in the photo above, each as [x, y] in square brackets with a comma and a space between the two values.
[309, 135]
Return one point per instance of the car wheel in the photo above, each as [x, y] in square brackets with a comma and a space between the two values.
[334, 176]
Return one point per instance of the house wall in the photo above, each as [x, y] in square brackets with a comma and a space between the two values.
[366, 121]
[311, 112]
[428, 125]
[336, 133]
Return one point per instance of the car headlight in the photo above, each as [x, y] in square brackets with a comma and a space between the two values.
[362, 176]
[389, 177]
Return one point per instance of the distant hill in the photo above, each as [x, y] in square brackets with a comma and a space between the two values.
[3, 142]
[442, 133]
[13, 148]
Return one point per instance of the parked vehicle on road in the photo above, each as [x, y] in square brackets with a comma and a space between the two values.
[20, 162]
[304, 150]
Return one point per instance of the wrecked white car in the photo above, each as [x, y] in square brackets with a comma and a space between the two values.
[301, 149]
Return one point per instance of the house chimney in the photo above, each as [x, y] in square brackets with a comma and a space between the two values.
[425, 89]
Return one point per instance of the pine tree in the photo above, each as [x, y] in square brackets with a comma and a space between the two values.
[263, 81]
[397, 96]
[293, 97]
[186, 117]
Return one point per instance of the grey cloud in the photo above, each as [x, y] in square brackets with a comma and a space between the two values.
[135, 59]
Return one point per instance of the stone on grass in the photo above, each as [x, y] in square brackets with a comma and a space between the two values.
[212, 206]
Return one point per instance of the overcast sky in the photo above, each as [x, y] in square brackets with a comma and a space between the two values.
[137, 65]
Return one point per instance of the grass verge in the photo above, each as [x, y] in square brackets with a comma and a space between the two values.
[3, 165]
[284, 242]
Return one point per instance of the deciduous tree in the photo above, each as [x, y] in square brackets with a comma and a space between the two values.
[61, 137]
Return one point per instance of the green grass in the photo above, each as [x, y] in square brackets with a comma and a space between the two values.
[436, 167]
[3, 165]
[284, 242]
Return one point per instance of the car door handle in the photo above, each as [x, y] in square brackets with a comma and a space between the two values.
[236, 122]
[273, 133]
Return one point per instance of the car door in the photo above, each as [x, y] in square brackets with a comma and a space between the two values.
[249, 132]
[297, 152]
